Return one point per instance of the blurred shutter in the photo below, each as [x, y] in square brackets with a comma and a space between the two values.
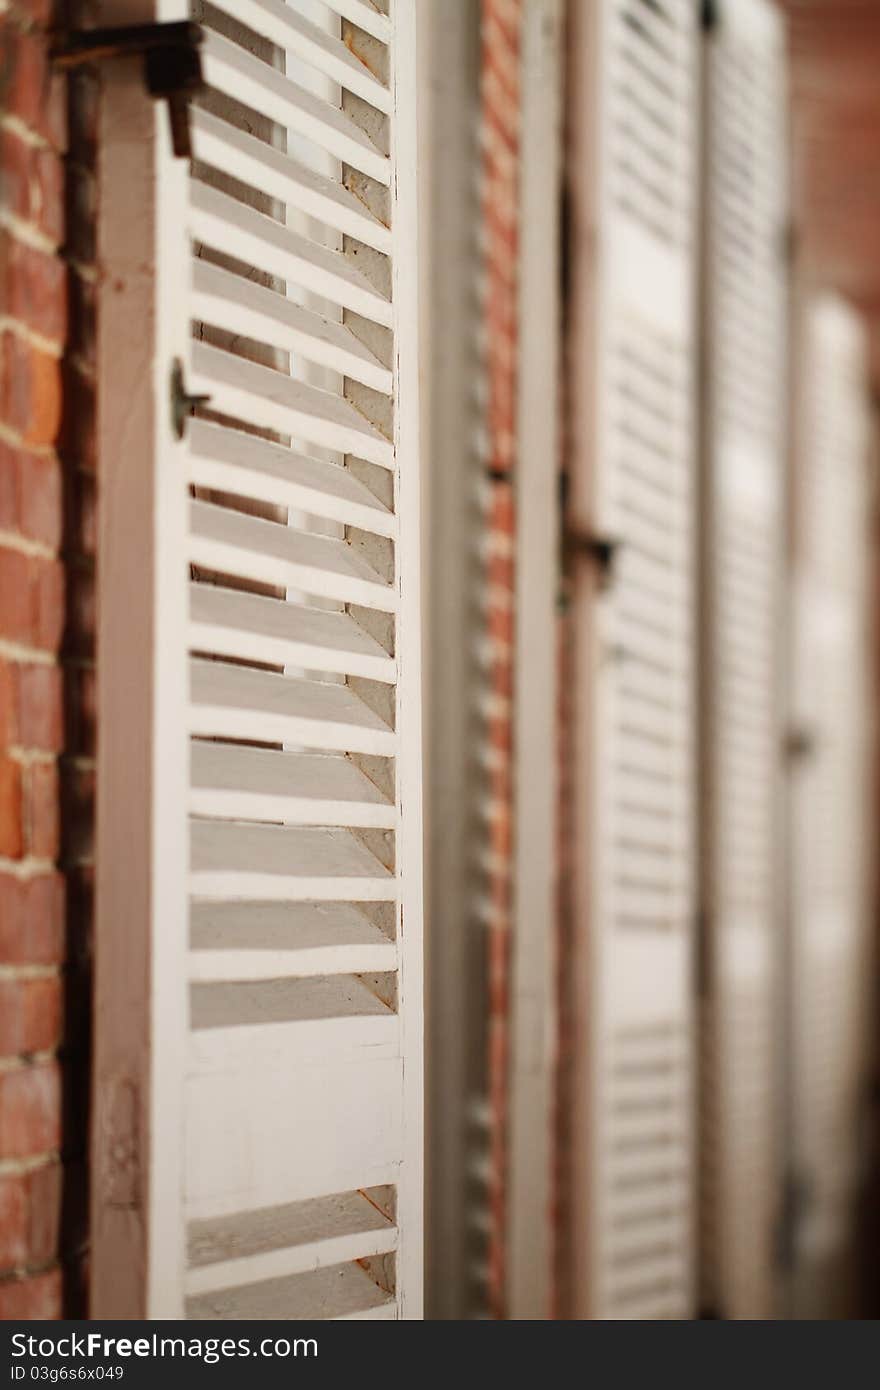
[743, 550]
[633, 485]
[297, 1081]
[831, 828]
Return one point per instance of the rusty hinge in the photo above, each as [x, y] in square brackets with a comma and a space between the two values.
[172, 64]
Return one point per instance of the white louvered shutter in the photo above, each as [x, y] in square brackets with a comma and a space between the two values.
[830, 833]
[635, 486]
[743, 554]
[284, 1152]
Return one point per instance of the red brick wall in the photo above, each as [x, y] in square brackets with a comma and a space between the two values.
[500, 99]
[46, 537]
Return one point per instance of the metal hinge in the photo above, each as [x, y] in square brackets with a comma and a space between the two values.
[182, 403]
[591, 545]
[172, 64]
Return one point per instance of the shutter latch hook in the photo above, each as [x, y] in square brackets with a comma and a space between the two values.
[182, 403]
[172, 64]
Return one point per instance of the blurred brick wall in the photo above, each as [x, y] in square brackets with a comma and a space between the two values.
[500, 103]
[47, 544]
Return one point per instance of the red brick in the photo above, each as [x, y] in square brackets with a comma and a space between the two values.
[502, 515]
[8, 487]
[15, 596]
[33, 290]
[40, 810]
[36, 1299]
[28, 87]
[30, 706]
[31, 495]
[49, 603]
[30, 1212]
[8, 704]
[40, 708]
[31, 391]
[14, 1204]
[44, 1215]
[30, 1110]
[31, 599]
[30, 1015]
[11, 830]
[33, 184]
[32, 919]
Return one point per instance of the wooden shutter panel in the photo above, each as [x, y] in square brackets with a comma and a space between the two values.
[282, 1143]
[831, 835]
[743, 549]
[633, 484]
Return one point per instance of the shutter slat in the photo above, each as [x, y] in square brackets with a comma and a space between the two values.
[280, 23]
[239, 783]
[232, 462]
[263, 396]
[277, 1241]
[364, 15]
[237, 702]
[228, 301]
[250, 236]
[233, 543]
[251, 627]
[340, 1291]
[264, 941]
[252, 161]
[229, 68]
[242, 861]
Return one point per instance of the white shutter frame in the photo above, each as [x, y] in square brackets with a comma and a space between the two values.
[829, 932]
[533, 995]
[223, 1183]
[632, 481]
[743, 546]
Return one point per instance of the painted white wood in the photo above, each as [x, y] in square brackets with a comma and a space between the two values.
[343, 1291]
[280, 23]
[533, 1003]
[338, 1094]
[227, 225]
[283, 534]
[229, 68]
[218, 143]
[136, 1251]
[632, 349]
[228, 623]
[240, 306]
[238, 702]
[273, 940]
[234, 782]
[830, 798]
[454, 781]
[239, 860]
[278, 1241]
[230, 542]
[743, 532]
[275, 401]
